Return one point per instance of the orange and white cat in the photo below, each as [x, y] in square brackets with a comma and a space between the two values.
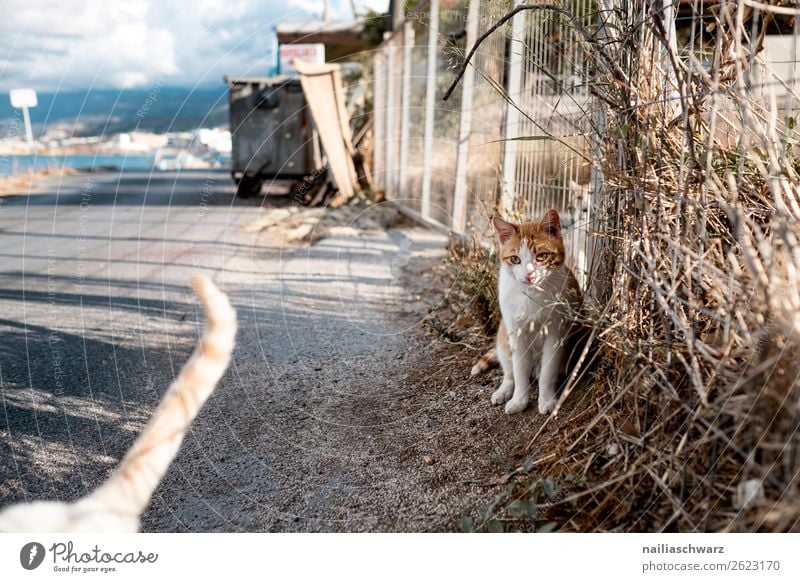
[537, 292]
[117, 504]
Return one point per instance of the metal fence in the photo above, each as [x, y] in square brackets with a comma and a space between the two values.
[514, 135]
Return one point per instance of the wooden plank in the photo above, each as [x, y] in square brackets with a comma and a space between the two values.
[322, 86]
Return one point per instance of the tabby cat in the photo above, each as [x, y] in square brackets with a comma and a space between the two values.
[537, 293]
[117, 505]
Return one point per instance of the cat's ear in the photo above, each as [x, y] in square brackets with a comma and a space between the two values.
[505, 230]
[551, 223]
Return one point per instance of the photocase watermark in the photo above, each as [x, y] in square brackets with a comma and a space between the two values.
[311, 180]
[54, 340]
[31, 555]
[443, 14]
[308, 183]
[447, 16]
[83, 229]
[6, 168]
[151, 99]
[66, 558]
[206, 192]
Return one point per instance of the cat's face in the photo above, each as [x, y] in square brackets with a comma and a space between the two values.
[531, 251]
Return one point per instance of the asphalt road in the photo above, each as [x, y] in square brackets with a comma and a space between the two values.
[312, 428]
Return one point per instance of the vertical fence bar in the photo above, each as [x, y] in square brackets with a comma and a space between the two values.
[668, 15]
[791, 97]
[592, 243]
[391, 113]
[459, 219]
[430, 102]
[405, 122]
[516, 46]
[379, 111]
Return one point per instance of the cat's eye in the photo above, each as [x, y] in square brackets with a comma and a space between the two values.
[542, 257]
[514, 259]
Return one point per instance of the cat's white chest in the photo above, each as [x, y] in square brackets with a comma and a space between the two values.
[519, 303]
[523, 308]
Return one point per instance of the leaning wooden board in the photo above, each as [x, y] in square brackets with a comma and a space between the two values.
[322, 86]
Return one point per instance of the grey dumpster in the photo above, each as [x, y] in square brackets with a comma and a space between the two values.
[271, 130]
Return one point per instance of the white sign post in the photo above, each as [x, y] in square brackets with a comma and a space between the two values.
[25, 99]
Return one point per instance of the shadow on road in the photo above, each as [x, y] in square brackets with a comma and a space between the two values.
[157, 188]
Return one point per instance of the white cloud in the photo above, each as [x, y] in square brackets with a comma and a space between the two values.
[52, 44]
[80, 44]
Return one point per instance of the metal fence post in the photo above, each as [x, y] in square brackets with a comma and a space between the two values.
[405, 122]
[459, 219]
[514, 81]
[430, 110]
[379, 111]
[391, 113]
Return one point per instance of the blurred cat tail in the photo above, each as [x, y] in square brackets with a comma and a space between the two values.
[132, 484]
[485, 362]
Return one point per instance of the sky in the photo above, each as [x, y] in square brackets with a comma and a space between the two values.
[53, 45]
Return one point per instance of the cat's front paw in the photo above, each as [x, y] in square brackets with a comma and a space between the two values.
[502, 394]
[516, 405]
[547, 406]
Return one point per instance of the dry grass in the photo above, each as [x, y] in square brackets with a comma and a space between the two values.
[468, 312]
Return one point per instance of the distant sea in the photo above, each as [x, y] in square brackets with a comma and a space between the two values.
[106, 112]
[12, 165]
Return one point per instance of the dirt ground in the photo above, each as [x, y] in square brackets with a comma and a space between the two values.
[390, 434]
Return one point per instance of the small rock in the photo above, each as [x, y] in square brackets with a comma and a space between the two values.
[428, 460]
[433, 423]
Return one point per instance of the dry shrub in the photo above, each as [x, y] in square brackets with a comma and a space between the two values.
[469, 311]
[695, 295]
